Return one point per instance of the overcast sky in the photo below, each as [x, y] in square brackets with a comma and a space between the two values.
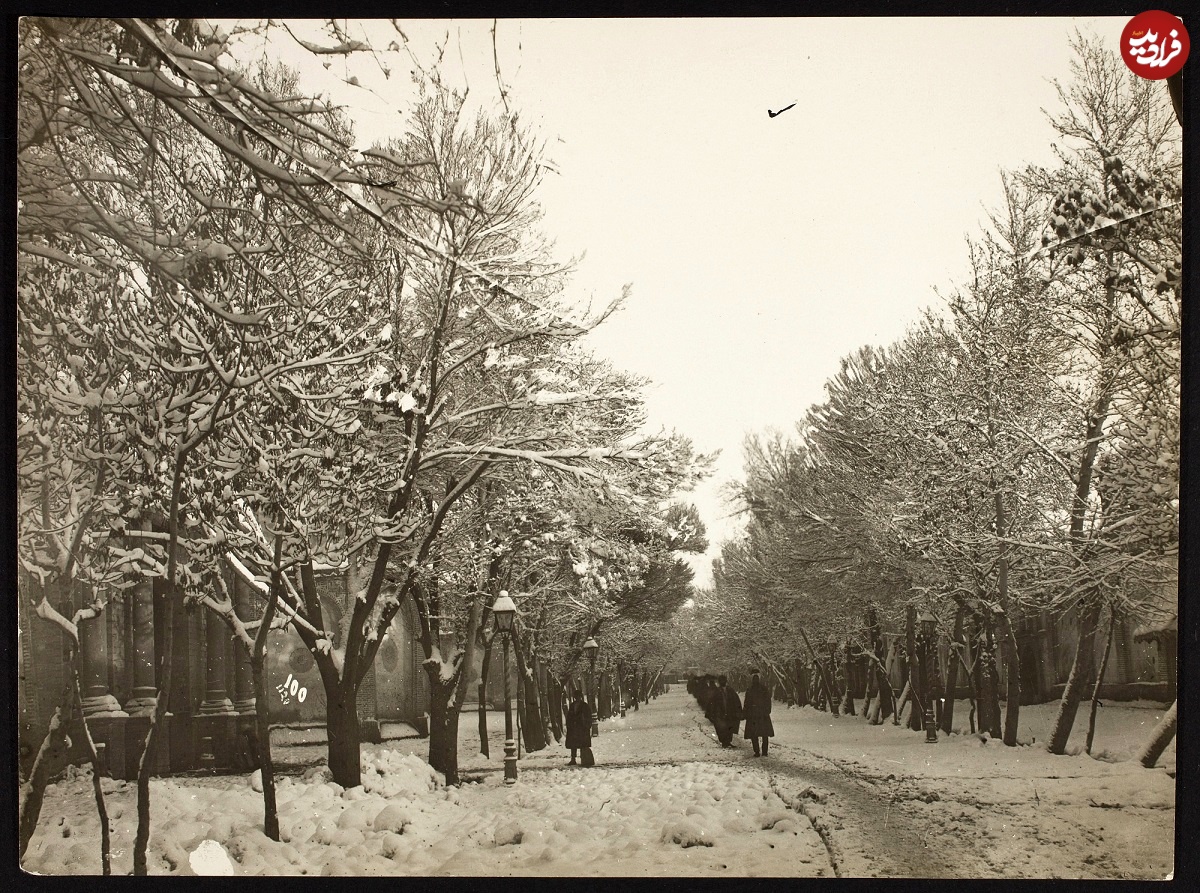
[760, 250]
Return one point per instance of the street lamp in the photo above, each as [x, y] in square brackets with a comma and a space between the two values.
[928, 631]
[503, 612]
[590, 648]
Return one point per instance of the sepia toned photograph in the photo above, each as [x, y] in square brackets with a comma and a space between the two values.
[724, 447]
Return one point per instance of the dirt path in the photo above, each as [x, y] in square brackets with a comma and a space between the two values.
[867, 828]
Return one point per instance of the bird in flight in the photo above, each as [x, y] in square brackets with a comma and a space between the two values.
[780, 112]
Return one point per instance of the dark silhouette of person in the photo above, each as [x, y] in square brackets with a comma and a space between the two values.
[757, 710]
[725, 712]
[579, 725]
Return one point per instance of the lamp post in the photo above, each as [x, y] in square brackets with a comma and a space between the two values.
[590, 648]
[503, 612]
[928, 631]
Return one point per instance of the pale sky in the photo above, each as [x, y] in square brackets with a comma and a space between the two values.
[760, 250]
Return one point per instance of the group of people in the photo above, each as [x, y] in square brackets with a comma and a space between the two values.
[726, 711]
[721, 704]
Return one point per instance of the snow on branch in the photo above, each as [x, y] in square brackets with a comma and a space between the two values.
[345, 48]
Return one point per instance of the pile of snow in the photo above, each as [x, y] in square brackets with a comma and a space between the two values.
[403, 820]
[210, 858]
[214, 825]
[691, 819]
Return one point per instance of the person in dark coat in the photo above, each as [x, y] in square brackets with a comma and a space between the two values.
[758, 714]
[579, 725]
[725, 712]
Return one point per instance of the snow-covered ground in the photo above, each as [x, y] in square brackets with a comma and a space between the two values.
[835, 797]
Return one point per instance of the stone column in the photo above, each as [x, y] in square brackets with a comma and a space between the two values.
[141, 696]
[105, 718]
[143, 669]
[93, 644]
[216, 700]
[243, 678]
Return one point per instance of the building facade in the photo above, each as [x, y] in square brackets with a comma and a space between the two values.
[211, 707]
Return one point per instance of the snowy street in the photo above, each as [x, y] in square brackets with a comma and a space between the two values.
[361, 418]
[836, 797]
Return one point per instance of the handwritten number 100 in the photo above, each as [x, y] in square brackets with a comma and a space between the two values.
[293, 687]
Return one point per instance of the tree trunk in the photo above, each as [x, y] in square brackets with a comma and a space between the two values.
[828, 685]
[165, 660]
[618, 693]
[543, 684]
[1112, 624]
[971, 670]
[873, 705]
[980, 679]
[847, 679]
[632, 688]
[873, 700]
[885, 696]
[832, 698]
[519, 711]
[1081, 671]
[153, 735]
[50, 756]
[1159, 738]
[532, 728]
[484, 749]
[894, 660]
[980, 685]
[915, 719]
[952, 670]
[991, 684]
[1089, 613]
[1012, 658]
[262, 717]
[905, 698]
[1012, 670]
[780, 679]
[659, 686]
[341, 726]
[816, 689]
[443, 726]
[97, 791]
[605, 695]
[554, 700]
[262, 720]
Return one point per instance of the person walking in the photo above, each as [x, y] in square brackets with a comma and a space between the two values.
[758, 714]
[579, 729]
[725, 712]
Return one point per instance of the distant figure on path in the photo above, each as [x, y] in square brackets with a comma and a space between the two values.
[725, 712]
[758, 714]
[579, 728]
